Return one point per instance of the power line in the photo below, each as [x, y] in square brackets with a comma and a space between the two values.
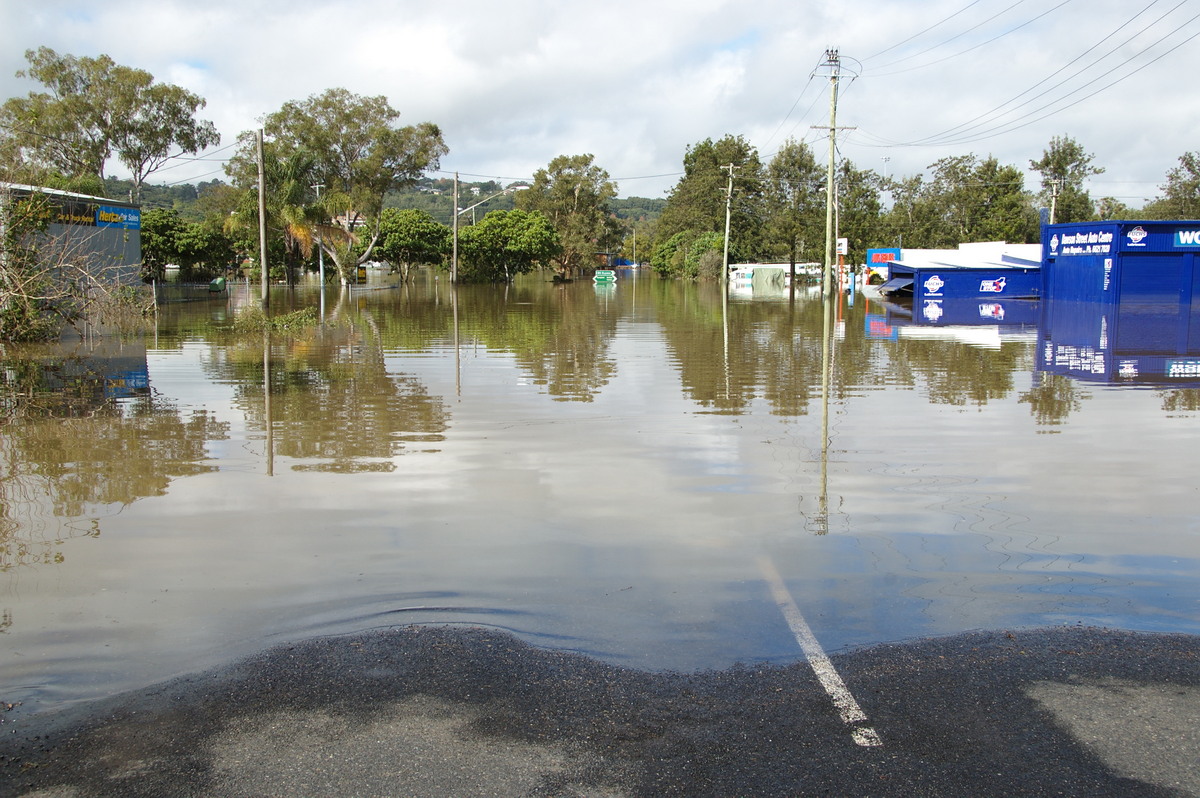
[981, 119]
[1004, 127]
[975, 46]
[956, 36]
[1058, 108]
[922, 33]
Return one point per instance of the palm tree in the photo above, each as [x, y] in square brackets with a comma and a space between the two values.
[290, 212]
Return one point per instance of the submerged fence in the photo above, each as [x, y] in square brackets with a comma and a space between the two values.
[166, 293]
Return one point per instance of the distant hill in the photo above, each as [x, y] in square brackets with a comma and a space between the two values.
[434, 196]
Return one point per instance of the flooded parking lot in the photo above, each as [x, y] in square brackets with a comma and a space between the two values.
[617, 471]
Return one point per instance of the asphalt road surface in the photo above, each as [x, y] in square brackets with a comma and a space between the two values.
[435, 711]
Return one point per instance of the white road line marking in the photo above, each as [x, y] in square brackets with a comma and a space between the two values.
[851, 713]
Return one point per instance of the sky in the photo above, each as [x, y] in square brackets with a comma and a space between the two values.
[517, 83]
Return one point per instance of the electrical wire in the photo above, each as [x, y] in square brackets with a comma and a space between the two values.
[1057, 107]
[945, 138]
[976, 46]
[982, 118]
[922, 33]
[952, 38]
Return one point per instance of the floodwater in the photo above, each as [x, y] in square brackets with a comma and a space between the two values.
[611, 470]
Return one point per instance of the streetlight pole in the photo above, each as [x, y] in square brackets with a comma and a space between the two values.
[454, 254]
[459, 212]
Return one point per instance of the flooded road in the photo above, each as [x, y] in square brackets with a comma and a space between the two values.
[603, 470]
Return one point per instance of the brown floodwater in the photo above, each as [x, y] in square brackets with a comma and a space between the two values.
[602, 469]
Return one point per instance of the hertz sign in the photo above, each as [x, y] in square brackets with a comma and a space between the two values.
[87, 214]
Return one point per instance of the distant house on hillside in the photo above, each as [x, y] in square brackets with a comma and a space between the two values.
[102, 234]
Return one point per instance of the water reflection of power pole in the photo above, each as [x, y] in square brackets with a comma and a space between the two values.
[822, 521]
[457, 361]
[320, 253]
[269, 422]
[725, 332]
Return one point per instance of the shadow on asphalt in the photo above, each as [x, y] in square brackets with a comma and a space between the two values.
[451, 711]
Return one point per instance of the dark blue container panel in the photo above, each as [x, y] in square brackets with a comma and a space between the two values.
[1154, 302]
[1145, 274]
[1078, 279]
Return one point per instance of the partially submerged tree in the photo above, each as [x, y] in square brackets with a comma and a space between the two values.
[411, 238]
[573, 193]
[200, 249]
[292, 219]
[359, 154]
[690, 255]
[95, 107]
[794, 188]
[506, 243]
[697, 202]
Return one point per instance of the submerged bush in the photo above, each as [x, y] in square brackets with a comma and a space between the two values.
[256, 320]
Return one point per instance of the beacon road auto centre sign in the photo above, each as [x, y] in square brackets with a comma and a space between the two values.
[1110, 239]
[1082, 242]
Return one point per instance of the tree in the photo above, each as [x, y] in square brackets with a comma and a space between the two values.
[162, 119]
[697, 202]
[859, 209]
[966, 199]
[1064, 167]
[291, 217]
[1111, 208]
[160, 234]
[359, 155]
[411, 238]
[690, 255]
[506, 243]
[794, 192]
[1181, 192]
[573, 193]
[200, 249]
[95, 106]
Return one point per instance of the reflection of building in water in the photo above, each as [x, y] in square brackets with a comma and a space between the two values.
[1148, 345]
[84, 436]
[69, 379]
[47, 401]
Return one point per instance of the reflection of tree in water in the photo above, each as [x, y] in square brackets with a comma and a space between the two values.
[774, 353]
[956, 373]
[1053, 398]
[768, 352]
[67, 451]
[561, 339]
[1181, 400]
[333, 400]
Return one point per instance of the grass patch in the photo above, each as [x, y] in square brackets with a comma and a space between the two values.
[256, 320]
